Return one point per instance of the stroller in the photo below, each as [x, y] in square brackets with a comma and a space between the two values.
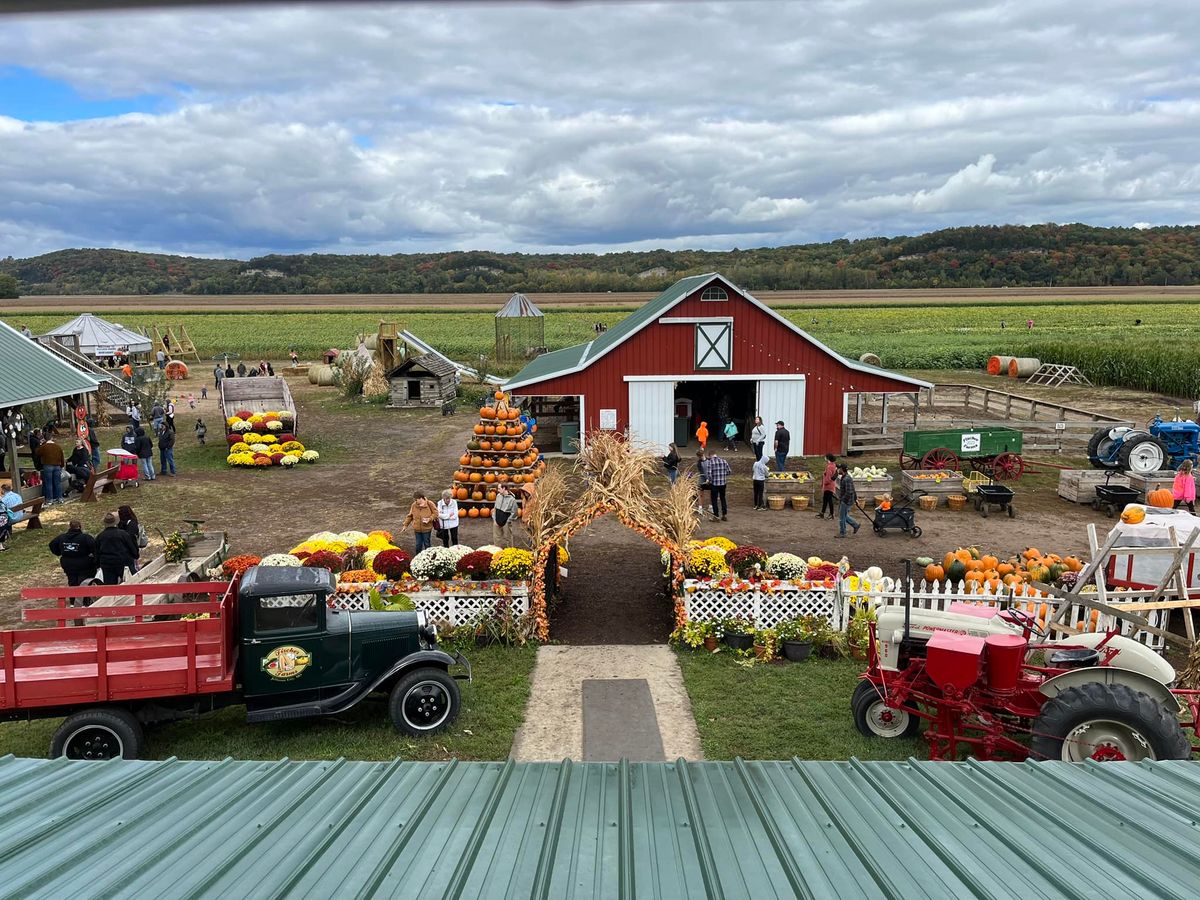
[897, 518]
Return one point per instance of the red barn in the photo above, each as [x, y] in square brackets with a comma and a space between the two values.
[705, 350]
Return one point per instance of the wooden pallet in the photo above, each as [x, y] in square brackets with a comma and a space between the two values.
[1052, 375]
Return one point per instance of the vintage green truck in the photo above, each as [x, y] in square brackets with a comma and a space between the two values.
[269, 641]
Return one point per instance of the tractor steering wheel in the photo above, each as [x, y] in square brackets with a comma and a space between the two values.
[1023, 619]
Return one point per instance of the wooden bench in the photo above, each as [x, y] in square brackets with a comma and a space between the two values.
[101, 481]
[33, 512]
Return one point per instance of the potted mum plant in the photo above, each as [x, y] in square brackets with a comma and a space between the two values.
[738, 633]
[766, 644]
[795, 639]
[858, 630]
[695, 634]
[747, 562]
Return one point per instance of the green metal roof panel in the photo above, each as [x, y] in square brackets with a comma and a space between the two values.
[646, 313]
[671, 830]
[30, 372]
[549, 365]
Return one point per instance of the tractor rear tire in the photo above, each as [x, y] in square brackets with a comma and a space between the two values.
[867, 705]
[1107, 721]
[1143, 454]
[1098, 447]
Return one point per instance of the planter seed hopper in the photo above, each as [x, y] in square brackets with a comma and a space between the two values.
[996, 452]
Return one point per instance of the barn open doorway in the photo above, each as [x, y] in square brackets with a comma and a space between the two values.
[714, 402]
[615, 592]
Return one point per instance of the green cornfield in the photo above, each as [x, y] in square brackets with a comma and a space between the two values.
[1161, 354]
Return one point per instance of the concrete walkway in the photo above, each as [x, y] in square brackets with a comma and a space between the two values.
[553, 728]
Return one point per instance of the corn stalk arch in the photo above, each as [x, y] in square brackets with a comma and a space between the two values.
[614, 471]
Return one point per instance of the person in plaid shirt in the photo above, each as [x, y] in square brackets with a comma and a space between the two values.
[718, 472]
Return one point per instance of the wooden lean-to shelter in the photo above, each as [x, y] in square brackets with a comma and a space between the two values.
[428, 380]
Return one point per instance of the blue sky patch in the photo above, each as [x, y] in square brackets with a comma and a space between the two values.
[31, 97]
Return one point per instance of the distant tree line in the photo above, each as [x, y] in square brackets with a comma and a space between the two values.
[977, 256]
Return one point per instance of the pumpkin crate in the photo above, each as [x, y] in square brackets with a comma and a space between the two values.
[1144, 484]
[936, 483]
[1079, 485]
[869, 487]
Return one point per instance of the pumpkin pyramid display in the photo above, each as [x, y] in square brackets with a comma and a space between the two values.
[500, 451]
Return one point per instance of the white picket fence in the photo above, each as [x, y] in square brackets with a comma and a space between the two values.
[457, 607]
[767, 608]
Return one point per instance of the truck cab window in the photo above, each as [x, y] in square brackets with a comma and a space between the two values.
[288, 612]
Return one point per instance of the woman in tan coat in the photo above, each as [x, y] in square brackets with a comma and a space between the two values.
[422, 516]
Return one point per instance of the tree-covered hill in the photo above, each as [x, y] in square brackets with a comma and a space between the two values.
[977, 256]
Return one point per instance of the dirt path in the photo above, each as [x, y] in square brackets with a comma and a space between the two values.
[553, 727]
[614, 592]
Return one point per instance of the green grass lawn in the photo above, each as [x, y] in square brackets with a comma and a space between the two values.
[493, 707]
[780, 710]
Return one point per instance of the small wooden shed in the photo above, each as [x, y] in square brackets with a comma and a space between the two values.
[425, 380]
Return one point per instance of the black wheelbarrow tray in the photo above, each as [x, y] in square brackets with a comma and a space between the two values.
[997, 495]
[1112, 498]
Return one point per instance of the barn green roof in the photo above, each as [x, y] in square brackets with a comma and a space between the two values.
[622, 830]
[29, 372]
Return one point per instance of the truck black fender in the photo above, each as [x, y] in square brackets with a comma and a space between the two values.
[439, 659]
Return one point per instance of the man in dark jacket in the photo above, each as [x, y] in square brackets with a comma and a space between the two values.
[116, 550]
[79, 468]
[50, 455]
[166, 449]
[76, 552]
[129, 440]
[847, 494]
[145, 452]
[783, 443]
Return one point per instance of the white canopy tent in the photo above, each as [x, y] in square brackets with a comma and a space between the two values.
[98, 337]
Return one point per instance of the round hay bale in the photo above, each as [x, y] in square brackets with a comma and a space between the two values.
[1023, 366]
[372, 341]
[176, 370]
[998, 365]
[325, 376]
[870, 359]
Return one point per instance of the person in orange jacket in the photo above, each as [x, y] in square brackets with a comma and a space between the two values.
[702, 435]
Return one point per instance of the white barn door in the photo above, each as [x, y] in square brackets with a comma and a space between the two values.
[651, 413]
[783, 399]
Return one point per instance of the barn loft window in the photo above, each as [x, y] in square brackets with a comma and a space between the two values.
[714, 346]
[714, 293]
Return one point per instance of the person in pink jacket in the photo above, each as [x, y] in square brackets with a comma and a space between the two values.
[828, 486]
[1184, 488]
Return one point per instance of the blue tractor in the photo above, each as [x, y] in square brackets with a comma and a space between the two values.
[1143, 451]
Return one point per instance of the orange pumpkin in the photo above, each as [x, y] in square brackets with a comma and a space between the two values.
[460, 494]
[488, 462]
[510, 446]
[479, 429]
[487, 413]
[989, 562]
[505, 462]
[1031, 553]
[477, 495]
[485, 445]
[489, 477]
[1162, 498]
[485, 512]
[476, 477]
[490, 429]
[1005, 568]
[934, 573]
[473, 512]
[1133, 514]
[517, 479]
[460, 476]
[499, 395]
[502, 477]
[514, 413]
[491, 496]
[464, 460]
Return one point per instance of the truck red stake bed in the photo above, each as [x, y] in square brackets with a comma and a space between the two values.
[271, 642]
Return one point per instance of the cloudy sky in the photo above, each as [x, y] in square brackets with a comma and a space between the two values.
[407, 127]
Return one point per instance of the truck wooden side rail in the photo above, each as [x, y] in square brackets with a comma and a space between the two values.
[66, 666]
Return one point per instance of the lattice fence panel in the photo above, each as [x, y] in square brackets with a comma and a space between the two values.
[704, 601]
[454, 607]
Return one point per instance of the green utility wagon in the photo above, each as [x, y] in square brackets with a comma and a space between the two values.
[996, 452]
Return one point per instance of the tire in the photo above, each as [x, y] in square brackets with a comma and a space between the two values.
[424, 701]
[103, 733]
[1143, 454]
[1123, 724]
[867, 700]
[1098, 446]
[1012, 513]
[916, 531]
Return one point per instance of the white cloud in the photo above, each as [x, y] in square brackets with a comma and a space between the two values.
[600, 126]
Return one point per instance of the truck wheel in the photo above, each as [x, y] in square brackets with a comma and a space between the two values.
[99, 734]
[874, 718]
[1107, 722]
[425, 701]
[1142, 454]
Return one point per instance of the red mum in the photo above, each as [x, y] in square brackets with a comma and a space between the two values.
[391, 564]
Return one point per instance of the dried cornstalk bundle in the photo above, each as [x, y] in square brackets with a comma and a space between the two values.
[548, 509]
[676, 511]
[1190, 676]
[375, 383]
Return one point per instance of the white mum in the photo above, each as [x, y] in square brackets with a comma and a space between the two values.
[434, 563]
[786, 565]
[280, 559]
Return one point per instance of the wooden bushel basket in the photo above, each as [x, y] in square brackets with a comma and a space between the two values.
[799, 503]
[927, 503]
[956, 502]
[775, 502]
